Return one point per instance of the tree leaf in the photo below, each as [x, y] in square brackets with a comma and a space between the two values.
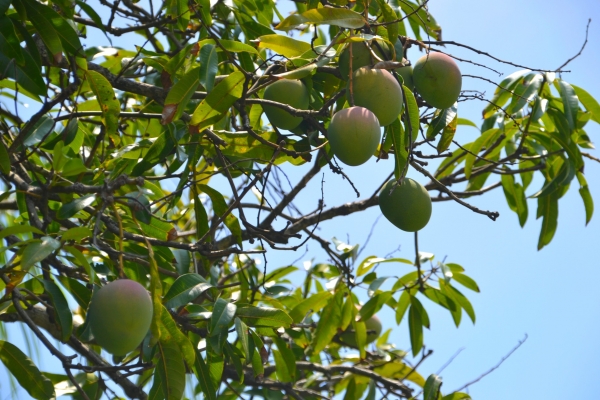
[204, 379]
[329, 321]
[169, 375]
[457, 396]
[185, 289]
[80, 293]
[38, 251]
[415, 328]
[283, 45]
[548, 210]
[89, 10]
[9, 41]
[180, 94]
[432, 387]
[341, 17]
[447, 136]
[209, 64]
[442, 119]
[220, 208]
[314, 303]
[390, 17]
[61, 309]
[170, 332]
[285, 361]
[212, 108]
[39, 18]
[19, 229]
[67, 35]
[232, 46]
[586, 196]
[570, 101]
[466, 281]
[264, 316]
[242, 332]
[105, 95]
[223, 314]
[402, 306]
[515, 197]
[24, 370]
[70, 209]
[589, 102]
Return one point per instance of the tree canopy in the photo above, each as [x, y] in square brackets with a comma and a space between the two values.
[167, 162]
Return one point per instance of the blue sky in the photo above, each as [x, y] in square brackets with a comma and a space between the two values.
[549, 295]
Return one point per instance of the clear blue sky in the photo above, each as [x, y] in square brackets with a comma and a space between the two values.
[549, 295]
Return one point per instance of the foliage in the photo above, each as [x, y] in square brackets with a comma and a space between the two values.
[116, 174]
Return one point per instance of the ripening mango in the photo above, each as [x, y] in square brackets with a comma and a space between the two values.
[119, 315]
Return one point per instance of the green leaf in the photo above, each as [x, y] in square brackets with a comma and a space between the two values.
[70, 209]
[242, 332]
[570, 102]
[412, 111]
[179, 96]
[38, 251]
[460, 298]
[169, 375]
[185, 289]
[589, 102]
[488, 137]
[525, 92]
[209, 64]
[394, 131]
[402, 306]
[390, 17]
[374, 304]
[40, 131]
[204, 379]
[586, 196]
[264, 316]
[341, 17]
[466, 281]
[89, 10]
[442, 119]
[220, 208]
[9, 41]
[38, 15]
[232, 46]
[19, 229]
[283, 45]
[61, 309]
[24, 370]
[105, 95]
[223, 313]
[329, 321]
[447, 136]
[66, 33]
[314, 303]
[77, 233]
[548, 210]
[170, 332]
[415, 328]
[515, 197]
[457, 396]
[212, 108]
[80, 293]
[432, 387]
[285, 361]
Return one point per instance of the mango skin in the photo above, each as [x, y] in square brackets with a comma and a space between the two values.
[408, 207]
[378, 91]
[374, 329]
[287, 91]
[354, 134]
[119, 315]
[437, 79]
